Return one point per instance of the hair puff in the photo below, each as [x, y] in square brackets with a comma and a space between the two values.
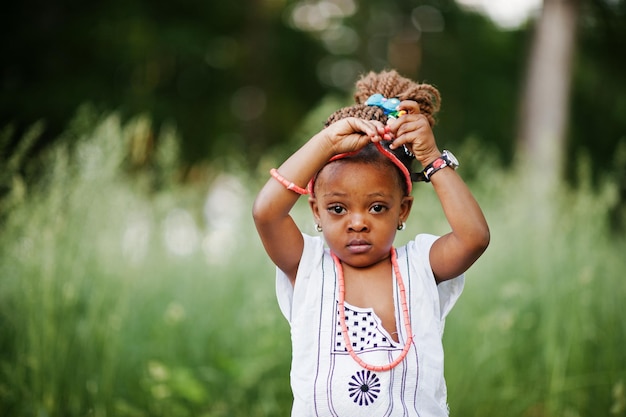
[391, 84]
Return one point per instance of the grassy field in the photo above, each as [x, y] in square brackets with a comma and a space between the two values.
[125, 294]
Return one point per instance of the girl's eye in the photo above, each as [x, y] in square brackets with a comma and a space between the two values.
[336, 209]
[378, 208]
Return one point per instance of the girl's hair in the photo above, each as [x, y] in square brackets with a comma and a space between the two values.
[390, 84]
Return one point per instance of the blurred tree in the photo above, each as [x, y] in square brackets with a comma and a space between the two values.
[544, 109]
[215, 69]
[575, 96]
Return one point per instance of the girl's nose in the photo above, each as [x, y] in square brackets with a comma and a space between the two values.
[357, 223]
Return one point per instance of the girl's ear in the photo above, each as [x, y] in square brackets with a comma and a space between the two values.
[405, 207]
[314, 209]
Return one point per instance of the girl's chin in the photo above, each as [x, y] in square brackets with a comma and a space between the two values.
[360, 260]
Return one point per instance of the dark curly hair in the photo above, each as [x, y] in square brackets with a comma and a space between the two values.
[390, 84]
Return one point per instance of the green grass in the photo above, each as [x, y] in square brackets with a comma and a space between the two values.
[540, 330]
[125, 293]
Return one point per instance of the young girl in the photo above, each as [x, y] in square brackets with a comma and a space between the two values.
[367, 318]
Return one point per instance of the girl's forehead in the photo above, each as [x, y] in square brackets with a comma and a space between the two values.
[358, 174]
[350, 167]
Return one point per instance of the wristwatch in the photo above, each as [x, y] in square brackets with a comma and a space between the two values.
[447, 159]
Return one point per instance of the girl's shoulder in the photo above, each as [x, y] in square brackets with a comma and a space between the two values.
[313, 251]
[419, 246]
[447, 292]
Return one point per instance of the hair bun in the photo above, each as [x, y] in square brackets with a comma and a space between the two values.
[391, 84]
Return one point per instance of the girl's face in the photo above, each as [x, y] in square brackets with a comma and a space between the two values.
[359, 207]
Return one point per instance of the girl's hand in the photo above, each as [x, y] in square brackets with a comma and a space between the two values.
[351, 134]
[413, 131]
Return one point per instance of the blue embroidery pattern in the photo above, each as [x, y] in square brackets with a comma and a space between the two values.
[364, 387]
[364, 332]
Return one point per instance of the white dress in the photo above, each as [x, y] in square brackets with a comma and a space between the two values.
[325, 380]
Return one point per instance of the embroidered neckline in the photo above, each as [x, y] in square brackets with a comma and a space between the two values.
[344, 327]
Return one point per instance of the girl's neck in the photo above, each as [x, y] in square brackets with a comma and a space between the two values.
[380, 267]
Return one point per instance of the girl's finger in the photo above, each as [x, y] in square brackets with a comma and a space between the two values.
[362, 126]
[406, 127]
[409, 106]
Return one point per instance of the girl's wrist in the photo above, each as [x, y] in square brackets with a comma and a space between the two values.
[324, 142]
[313, 155]
[427, 158]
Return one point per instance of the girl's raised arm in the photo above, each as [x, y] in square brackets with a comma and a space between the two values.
[280, 235]
[453, 253]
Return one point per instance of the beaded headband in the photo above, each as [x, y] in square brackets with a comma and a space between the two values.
[390, 108]
[383, 150]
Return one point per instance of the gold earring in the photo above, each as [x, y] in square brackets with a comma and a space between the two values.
[401, 226]
[318, 227]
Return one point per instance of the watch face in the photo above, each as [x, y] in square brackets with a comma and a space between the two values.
[454, 163]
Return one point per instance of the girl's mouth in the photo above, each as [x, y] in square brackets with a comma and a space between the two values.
[358, 246]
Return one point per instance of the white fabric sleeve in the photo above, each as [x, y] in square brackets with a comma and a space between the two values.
[313, 249]
[450, 290]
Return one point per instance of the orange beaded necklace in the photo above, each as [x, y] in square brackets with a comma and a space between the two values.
[344, 327]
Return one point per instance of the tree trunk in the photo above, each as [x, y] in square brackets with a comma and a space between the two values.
[544, 109]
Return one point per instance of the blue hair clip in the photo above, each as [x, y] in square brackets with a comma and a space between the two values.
[389, 105]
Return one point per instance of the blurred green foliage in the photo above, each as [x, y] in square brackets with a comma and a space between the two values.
[126, 293]
[236, 78]
[119, 297]
[184, 63]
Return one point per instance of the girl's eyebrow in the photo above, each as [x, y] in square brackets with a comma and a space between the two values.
[335, 194]
[343, 194]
